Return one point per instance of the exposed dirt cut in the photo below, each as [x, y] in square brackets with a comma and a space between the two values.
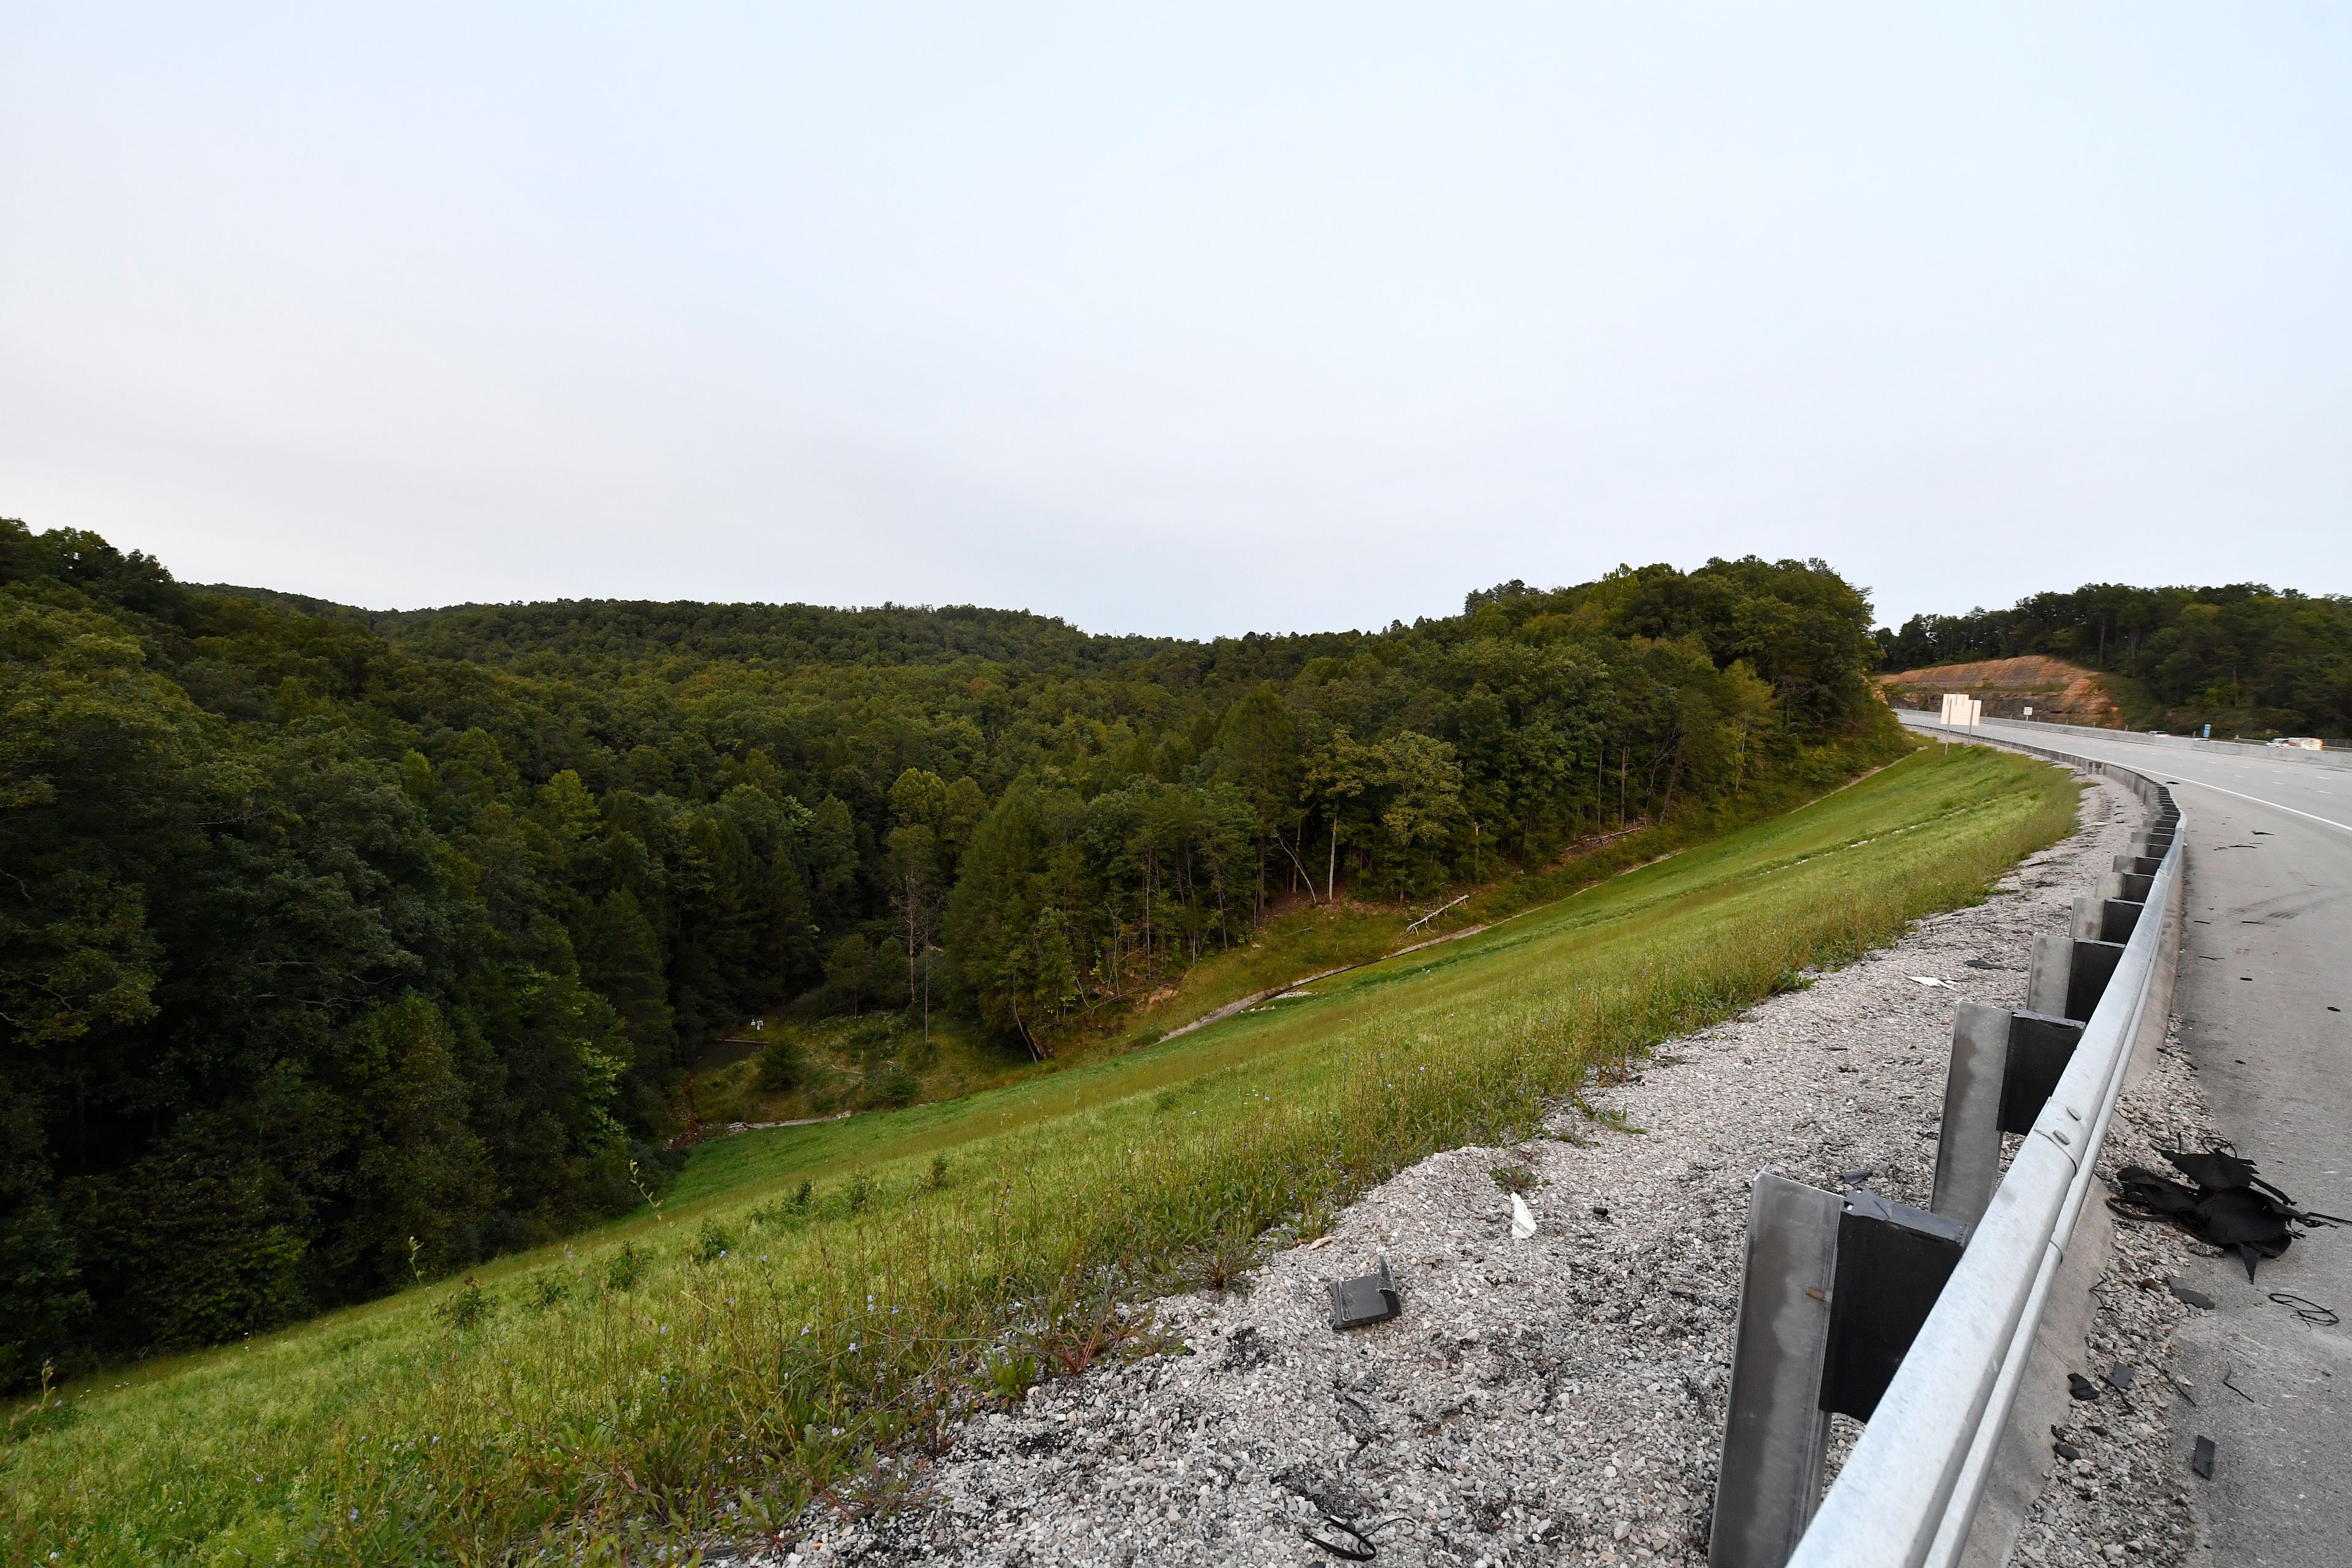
[2054, 688]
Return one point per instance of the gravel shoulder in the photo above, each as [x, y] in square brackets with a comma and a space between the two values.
[1556, 1398]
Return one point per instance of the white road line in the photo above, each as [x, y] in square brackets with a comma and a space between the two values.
[2258, 800]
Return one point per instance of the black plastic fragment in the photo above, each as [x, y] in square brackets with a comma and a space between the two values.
[1367, 1299]
[2202, 1460]
[2066, 1451]
[2121, 1375]
[2081, 1387]
[2189, 1294]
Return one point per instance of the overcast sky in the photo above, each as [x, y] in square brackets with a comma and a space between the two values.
[1187, 320]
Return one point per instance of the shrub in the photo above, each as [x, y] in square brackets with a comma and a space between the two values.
[782, 1064]
[894, 1087]
[470, 1307]
[712, 1242]
[628, 1266]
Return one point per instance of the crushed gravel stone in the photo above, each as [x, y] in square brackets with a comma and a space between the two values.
[1557, 1398]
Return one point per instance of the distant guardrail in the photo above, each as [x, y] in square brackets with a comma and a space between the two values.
[2326, 758]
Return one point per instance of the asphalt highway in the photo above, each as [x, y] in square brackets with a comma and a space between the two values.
[2264, 997]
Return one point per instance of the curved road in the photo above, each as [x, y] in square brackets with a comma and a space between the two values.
[2264, 998]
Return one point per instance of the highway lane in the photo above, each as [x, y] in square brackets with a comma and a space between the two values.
[2265, 1003]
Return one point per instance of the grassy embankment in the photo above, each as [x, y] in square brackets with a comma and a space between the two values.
[636, 1384]
[846, 1064]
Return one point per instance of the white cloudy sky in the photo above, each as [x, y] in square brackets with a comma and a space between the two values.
[1189, 319]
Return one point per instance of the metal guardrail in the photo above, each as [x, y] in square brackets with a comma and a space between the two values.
[1908, 1493]
[2332, 758]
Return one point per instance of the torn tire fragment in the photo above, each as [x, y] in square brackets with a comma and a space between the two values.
[2202, 1460]
[2230, 1206]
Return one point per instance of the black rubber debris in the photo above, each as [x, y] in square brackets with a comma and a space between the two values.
[1365, 1300]
[2081, 1387]
[2230, 1206]
[1849, 1177]
[1362, 1550]
[2121, 1375]
[2310, 1311]
[2066, 1451]
[1599, 1213]
[2202, 1460]
[2189, 1294]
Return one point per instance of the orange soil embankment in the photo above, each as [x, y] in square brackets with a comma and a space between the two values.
[2052, 688]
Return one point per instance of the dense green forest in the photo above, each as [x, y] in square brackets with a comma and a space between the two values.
[2245, 658]
[340, 948]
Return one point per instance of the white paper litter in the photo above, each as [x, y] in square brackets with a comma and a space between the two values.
[1523, 1218]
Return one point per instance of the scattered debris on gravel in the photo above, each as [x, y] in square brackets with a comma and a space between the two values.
[1557, 1398]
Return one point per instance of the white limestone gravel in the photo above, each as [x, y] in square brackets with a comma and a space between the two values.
[1558, 1399]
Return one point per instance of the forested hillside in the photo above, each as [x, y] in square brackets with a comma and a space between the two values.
[339, 948]
[2247, 658]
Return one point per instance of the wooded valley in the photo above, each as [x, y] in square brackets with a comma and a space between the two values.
[341, 948]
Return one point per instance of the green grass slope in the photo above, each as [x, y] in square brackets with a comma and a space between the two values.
[809, 1295]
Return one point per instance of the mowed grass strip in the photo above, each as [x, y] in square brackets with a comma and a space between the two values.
[720, 1367]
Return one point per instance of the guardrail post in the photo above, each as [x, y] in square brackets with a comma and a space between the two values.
[1832, 1294]
[2068, 974]
[2040, 1049]
[1775, 1434]
[2005, 1065]
[2087, 923]
[2047, 974]
[2118, 918]
[2104, 919]
[1968, 1150]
